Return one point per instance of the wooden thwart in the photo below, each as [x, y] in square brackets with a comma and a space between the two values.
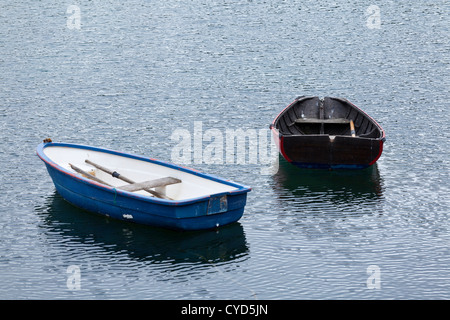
[312, 120]
[325, 121]
[161, 182]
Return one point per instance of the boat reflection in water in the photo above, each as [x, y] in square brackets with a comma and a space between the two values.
[335, 188]
[142, 243]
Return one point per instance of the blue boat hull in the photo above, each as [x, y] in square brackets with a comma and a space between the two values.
[194, 214]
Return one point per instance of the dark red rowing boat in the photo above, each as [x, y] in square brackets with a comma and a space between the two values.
[327, 133]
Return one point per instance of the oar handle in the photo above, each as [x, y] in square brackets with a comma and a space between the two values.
[352, 128]
[113, 173]
[88, 175]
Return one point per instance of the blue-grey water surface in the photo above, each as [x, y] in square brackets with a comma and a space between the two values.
[137, 70]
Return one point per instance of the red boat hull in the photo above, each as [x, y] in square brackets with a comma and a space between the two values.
[326, 150]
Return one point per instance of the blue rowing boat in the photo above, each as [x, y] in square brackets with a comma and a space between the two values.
[141, 190]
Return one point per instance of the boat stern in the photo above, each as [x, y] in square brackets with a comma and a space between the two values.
[332, 152]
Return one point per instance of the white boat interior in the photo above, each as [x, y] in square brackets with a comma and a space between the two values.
[184, 185]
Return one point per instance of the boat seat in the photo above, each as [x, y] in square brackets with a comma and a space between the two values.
[161, 182]
[313, 120]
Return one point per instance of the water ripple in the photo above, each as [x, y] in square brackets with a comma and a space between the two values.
[137, 71]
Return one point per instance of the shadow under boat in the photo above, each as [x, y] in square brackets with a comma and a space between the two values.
[142, 243]
[338, 185]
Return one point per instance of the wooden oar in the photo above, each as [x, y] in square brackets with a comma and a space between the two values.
[352, 128]
[108, 171]
[88, 175]
[121, 177]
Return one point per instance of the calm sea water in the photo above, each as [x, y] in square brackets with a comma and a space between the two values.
[135, 71]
